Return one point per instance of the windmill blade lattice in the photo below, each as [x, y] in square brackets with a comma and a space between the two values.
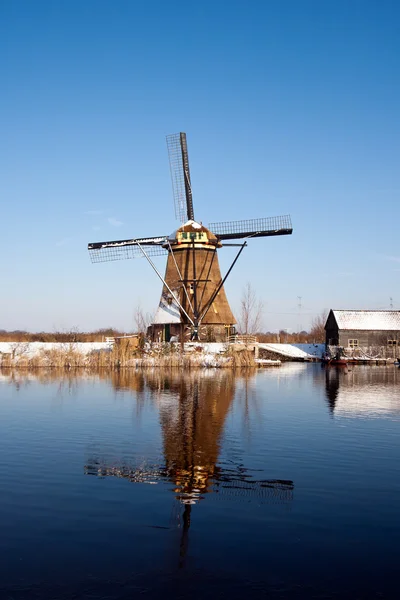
[231, 230]
[271, 491]
[122, 249]
[180, 176]
[227, 483]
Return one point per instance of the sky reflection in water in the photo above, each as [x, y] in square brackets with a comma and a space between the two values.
[282, 481]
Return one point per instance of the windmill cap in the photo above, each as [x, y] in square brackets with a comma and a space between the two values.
[193, 227]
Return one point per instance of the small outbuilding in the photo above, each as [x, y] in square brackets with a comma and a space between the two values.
[354, 329]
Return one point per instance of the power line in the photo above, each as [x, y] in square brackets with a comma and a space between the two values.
[272, 312]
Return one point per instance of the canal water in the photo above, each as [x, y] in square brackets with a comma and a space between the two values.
[281, 483]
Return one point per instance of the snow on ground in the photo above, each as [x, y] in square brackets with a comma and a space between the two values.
[305, 351]
[207, 347]
[30, 349]
[298, 351]
[293, 350]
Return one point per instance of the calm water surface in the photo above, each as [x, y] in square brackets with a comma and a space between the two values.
[281, 483]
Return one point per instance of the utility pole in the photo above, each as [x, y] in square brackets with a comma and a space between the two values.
[299, 306]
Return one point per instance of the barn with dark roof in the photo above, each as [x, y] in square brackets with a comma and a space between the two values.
[354, 329]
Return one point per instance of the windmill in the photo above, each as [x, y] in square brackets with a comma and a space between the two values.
[193, 300]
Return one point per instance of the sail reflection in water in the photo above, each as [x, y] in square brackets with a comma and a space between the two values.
[193, 409]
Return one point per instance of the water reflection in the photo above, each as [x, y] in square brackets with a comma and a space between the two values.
[332, 386]
[65, 378]
[206, 439]
[363, 390]
[192, 410]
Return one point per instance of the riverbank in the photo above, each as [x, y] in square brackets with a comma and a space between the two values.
[126, 354]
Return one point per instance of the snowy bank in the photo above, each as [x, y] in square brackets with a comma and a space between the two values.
[31, 349]
[296, 351]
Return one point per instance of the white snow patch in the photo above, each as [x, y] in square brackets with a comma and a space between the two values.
[30, 349]
[214, 347]
[209, 361]
[304, 351]
[190, 223]
[193, 224]
[206, 347]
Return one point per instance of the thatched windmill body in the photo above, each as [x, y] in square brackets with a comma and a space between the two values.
[193, 301]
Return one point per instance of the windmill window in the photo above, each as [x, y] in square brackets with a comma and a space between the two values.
[353, 343]
[184, 235]
[392, 342]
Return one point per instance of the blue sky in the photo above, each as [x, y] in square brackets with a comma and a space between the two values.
[289, 107]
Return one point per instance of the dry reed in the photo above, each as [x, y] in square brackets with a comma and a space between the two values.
[127, 354]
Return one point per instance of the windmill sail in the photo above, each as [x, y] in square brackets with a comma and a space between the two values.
[233, 230]
[121, 249]
[180, 175]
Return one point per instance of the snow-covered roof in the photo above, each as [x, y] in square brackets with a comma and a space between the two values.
[191, 226]
[368, 320]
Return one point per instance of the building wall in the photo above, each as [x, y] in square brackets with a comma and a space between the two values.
[368, 338]
[332, 331]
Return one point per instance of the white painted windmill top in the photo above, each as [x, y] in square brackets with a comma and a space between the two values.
[188, 226]
[368, 320]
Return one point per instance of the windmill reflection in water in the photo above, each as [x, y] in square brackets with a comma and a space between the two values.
[193, 409]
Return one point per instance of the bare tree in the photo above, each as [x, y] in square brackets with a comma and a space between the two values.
[19, 349]
[317, 332]
[251, 311]
[142, 319]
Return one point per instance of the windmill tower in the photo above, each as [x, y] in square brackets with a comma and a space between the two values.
[193, 302]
